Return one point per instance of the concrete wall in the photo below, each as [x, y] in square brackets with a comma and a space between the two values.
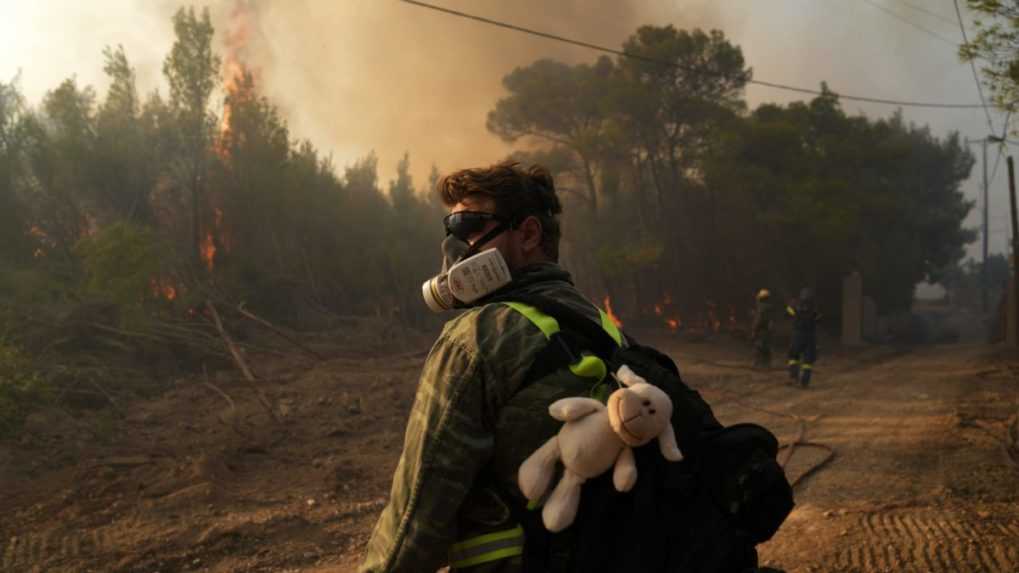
[852, 309]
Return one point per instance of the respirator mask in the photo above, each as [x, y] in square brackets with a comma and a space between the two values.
[467, 275]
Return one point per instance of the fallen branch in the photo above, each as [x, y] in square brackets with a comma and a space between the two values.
[277, 331]
[239, 361]
[233, 409]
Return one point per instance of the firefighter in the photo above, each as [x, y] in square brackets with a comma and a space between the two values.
[761, 330]
[803, 348]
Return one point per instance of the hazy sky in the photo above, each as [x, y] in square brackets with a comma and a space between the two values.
[360, 75]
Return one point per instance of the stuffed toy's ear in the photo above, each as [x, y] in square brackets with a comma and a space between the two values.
[627, 377]
[667, 443]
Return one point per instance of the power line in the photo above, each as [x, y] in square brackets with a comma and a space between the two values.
[973, 67]
[621, 53]
[902, 18]
[937, 15]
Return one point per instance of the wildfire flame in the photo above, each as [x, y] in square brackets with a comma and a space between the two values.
[208, 250]
[669, 317]
[234, 66]
[162, 289]
[238, 82]
[608, 310]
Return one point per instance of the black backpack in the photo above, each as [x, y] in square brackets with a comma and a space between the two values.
[702, 514]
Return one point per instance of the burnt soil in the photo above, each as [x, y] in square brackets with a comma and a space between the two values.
[204, 478]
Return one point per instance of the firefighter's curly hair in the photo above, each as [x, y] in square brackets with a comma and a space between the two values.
[518, 192]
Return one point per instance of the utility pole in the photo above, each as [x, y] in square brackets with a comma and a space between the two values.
[985, 234]
[1015, 249]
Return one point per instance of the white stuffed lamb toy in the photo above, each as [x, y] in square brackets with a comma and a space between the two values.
[594, 438]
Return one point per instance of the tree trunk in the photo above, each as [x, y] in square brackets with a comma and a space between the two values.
[638, 190]
[196, 224]
[589, 177]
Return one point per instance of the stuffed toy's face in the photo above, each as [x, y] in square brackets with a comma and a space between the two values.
[638, 413]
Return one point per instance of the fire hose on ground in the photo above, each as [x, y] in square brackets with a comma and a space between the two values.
[787, 449]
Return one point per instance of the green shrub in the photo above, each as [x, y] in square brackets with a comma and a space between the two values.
[121, 261]
[21, 389]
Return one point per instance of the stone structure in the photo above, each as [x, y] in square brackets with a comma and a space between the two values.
[852, 309]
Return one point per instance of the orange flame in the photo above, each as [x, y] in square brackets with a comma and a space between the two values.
[215, 239]
[162, 289]
[669, 317]
[234, 67]
[208, 249]
[612, 315]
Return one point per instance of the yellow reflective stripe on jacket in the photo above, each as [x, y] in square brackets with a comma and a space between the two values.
[610, 327]
[790, 311]
[488, 547]
[545, 323]
[548, 325]
[589, 366]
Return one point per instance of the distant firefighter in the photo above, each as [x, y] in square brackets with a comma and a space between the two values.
[761, 329]
[803, 348]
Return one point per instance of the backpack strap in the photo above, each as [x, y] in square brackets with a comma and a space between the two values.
[604, 338]
[564, 350]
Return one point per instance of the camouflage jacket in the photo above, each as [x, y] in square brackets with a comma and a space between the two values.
[472, 423]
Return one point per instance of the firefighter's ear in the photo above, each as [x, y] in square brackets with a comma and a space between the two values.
[531, 231]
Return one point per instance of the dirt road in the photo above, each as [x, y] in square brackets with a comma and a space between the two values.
[919, 482]
[196, 482]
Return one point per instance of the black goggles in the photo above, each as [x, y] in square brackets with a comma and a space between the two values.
[464, 224]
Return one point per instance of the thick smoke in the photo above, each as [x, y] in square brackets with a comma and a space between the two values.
[365, 75]
[360, 75]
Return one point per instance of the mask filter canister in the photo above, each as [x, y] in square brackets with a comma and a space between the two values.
[466, 281]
